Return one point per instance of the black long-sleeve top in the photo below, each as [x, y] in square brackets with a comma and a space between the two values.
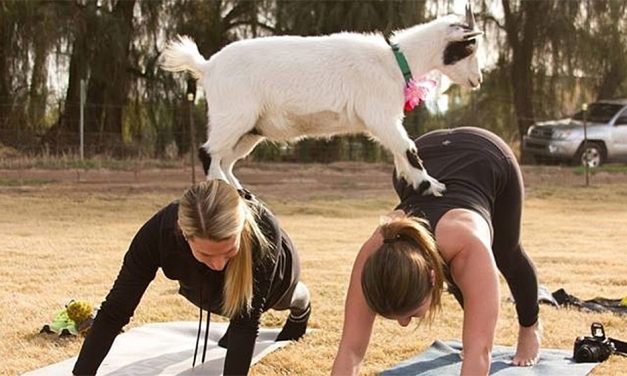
[160, 244]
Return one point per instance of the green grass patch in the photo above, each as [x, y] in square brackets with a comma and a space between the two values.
[609, 168]
[70, 162]
[24, 182]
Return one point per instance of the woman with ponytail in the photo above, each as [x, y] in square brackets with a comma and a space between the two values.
[463, 238]
[229, 256]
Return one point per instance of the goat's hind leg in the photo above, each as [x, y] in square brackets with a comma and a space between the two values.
[244, 146]
[211, 162]
[205, 159]
[408, 164]
[227, 129]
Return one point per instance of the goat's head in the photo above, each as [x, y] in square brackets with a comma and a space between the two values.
[459, 58]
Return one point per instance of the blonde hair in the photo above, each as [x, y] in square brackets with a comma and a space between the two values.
[214, 210]
[396, 278]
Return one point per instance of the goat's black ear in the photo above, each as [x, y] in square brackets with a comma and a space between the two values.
[205, 158]
[456, 51]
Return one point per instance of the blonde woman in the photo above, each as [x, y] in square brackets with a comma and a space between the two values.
[229, 256]
[463, 238]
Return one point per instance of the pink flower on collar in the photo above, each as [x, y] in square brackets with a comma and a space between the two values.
[416, 91]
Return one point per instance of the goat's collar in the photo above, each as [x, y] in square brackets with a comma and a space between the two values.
[402, 62]
[416, 91]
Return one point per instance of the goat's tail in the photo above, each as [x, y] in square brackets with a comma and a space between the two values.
[181, 54]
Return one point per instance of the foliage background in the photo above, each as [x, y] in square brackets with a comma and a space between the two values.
[544, 58]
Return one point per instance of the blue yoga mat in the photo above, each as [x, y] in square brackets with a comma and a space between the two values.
[442, 359]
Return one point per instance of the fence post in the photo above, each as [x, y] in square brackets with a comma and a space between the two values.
[191, 94]
[586, 167]
[82, 122]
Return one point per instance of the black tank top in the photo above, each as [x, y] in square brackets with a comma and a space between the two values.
[474, 164]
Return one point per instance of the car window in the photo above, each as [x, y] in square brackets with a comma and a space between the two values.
[599, 112]
[622, 119]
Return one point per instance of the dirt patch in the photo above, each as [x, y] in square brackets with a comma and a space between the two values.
[271, 180]
[293, 181]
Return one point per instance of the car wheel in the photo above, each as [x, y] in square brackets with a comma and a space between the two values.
[591, 154]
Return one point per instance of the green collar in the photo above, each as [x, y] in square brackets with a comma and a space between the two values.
[402, 62]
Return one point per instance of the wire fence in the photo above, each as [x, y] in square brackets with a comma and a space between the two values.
[171, 130]
[174, 142]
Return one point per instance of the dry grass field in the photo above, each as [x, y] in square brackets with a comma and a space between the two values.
[64, 234]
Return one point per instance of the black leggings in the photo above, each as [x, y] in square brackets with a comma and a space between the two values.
[481, 174]
[511, 259]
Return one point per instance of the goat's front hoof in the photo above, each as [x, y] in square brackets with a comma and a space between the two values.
[431, 186]
[423, 183]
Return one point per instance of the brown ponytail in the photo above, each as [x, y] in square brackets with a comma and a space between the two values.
[396, 278]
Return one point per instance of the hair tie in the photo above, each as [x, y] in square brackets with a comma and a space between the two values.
[402, 238]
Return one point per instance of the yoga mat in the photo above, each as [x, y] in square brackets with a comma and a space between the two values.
[166, 349]
[442, 359]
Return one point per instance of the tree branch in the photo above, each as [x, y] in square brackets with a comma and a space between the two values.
[237, 11]
[490, 17]
[247, 22]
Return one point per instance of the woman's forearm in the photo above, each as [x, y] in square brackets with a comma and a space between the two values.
[358, 318]
[98, 342]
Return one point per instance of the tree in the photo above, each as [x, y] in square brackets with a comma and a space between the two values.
[15, 19]
[606, 43]
[522, 27]
[100, 34]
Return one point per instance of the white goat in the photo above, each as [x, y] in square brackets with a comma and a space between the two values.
[289, 87]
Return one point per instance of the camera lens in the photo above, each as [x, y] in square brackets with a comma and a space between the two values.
[587, 354]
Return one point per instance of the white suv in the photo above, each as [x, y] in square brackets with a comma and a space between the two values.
[563, 140]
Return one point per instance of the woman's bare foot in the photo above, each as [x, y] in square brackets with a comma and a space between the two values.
[528, 347]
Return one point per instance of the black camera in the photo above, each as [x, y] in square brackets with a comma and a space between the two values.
[593, 349]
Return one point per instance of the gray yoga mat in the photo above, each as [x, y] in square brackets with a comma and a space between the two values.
[442, 359]
[166, 349]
